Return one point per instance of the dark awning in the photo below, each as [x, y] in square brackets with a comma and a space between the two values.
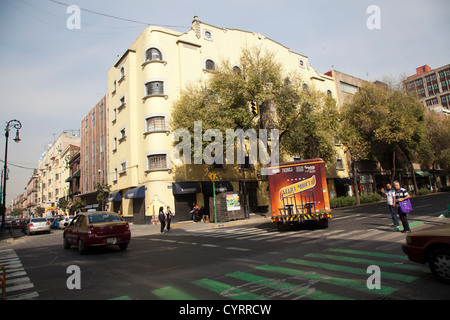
[75, 175]
[114, 196]
[185, 187]
[138, 192]
[340, 182]
[221, 186]
[421, 173]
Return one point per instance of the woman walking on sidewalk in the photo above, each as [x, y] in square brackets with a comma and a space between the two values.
[162, 218]
[401, 195]
[169, 216]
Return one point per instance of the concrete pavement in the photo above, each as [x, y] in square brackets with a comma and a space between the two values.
[138, 230]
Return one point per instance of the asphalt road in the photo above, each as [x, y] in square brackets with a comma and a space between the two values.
[248, 260]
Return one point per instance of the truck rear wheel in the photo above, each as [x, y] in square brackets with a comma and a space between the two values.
[323, 223]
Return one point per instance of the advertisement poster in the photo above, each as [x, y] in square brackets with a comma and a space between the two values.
[303, 180]
[233, 202]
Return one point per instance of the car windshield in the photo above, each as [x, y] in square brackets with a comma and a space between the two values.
[103, 217]
[39, 220]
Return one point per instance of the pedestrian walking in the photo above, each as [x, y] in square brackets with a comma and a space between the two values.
[169, 216]
[401, 195]
[195, 212]
[389, 192]
[162, 218]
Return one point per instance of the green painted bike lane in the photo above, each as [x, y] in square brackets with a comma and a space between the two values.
[317, 271]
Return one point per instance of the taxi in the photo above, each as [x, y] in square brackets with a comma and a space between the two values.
[96, 229]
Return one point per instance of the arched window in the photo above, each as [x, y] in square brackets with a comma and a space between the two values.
[153, 54]
[210, 65]
[305, 87]
[237, 70]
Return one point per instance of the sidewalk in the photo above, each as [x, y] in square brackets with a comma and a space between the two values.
[138, 230]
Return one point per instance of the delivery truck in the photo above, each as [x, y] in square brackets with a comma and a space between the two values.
[299, 193]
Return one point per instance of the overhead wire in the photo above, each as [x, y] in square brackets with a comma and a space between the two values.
[116, 17]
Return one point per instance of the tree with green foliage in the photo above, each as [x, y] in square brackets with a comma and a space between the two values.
[377, 116]
[103, 191]
[306, 119]
[434, 151]
[77, 204]
[63, 204]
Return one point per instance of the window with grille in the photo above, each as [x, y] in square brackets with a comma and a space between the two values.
[153, 54]
[157, 161]
[157, 123]
[154, 88]
[340, 164]
[210, 65]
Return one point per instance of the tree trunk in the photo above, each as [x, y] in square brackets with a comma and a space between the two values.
[355, 178]
[393, 167]
[416, 191]
[355, 183]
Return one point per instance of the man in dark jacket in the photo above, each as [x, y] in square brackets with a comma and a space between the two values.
[162, 218]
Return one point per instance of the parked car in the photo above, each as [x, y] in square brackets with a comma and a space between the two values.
[55, 223]
[36, 225]
[15, 224]
[65, 221]
[432, 246]
[94, 229]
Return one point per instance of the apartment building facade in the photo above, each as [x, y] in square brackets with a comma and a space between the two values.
[431, 87]
[53, 171]
[32, 193]
[94, 152]
[142, 87]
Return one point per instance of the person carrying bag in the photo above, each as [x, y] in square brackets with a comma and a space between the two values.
[403, 205]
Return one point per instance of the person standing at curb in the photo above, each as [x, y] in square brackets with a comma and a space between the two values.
[390, 197]
[169, 216]
[401, 195]
[162, 218]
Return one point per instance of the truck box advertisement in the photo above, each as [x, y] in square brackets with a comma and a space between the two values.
[299, 192]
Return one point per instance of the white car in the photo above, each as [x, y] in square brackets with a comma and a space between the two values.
[65, 221]
[37, 225]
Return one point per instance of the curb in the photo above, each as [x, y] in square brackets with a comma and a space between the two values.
[149, 229]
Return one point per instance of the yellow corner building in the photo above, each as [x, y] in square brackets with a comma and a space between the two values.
[142, 87]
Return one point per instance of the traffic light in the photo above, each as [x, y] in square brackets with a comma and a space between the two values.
[255, 107]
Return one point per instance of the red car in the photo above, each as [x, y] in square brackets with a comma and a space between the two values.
[95, 229]
[432, 246]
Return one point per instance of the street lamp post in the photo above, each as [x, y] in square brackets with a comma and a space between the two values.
[16, 125]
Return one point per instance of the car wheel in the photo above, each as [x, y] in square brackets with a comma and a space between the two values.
[66, 244]
[81, 247]
[123, 246]
[439, 263]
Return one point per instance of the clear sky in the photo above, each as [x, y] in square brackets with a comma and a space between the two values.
[52, 76]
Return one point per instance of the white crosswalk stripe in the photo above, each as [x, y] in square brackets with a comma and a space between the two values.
[18, 284]
[357, 238]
